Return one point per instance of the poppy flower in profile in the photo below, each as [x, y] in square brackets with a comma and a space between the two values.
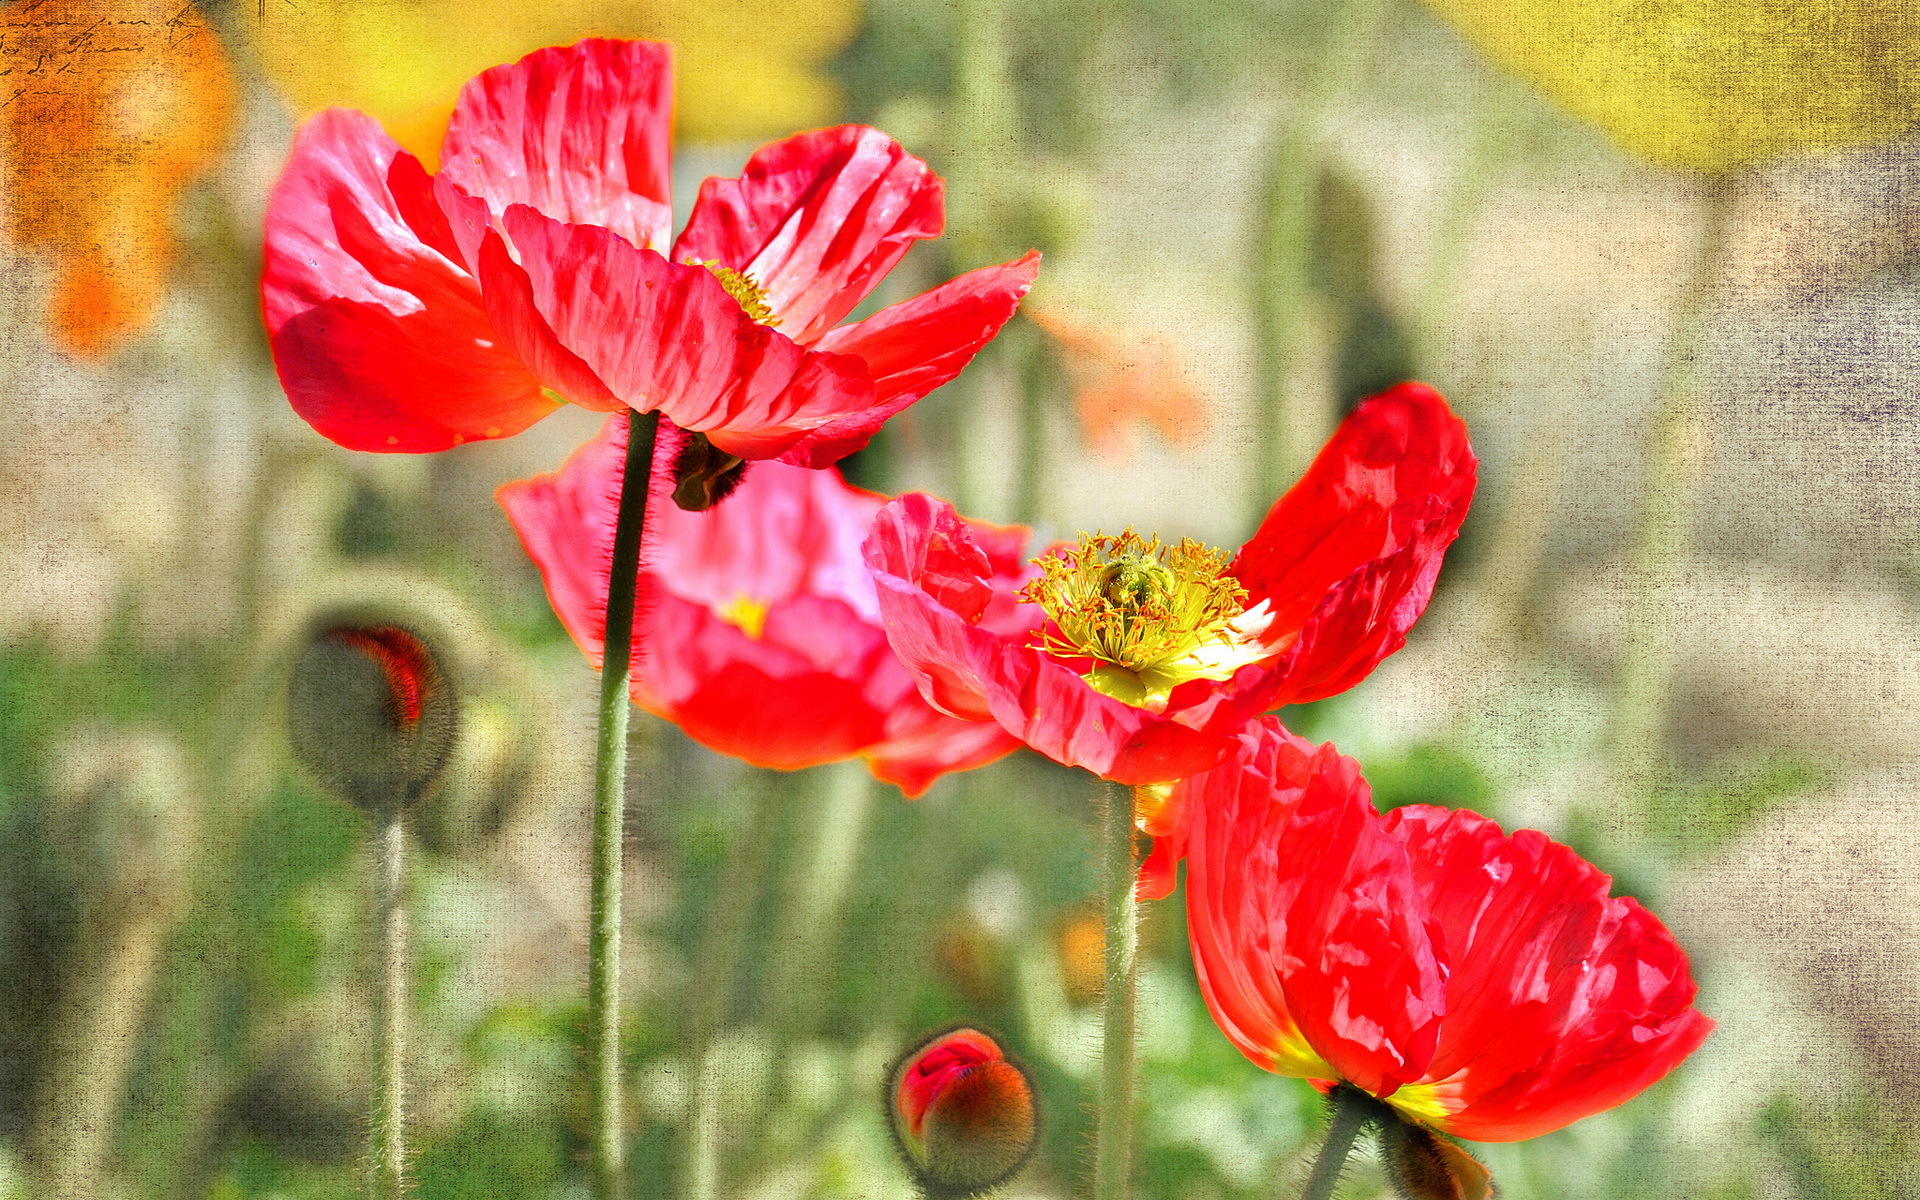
[756, 626]
[1141, 661]
[1481, 983]
[412, 312]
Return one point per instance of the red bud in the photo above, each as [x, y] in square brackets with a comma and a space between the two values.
[963, 1115]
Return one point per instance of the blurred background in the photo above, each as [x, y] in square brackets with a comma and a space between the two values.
[1664, 259]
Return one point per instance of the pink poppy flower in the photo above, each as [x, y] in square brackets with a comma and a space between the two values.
[412, 312]
[756, 629]
[1140, 662]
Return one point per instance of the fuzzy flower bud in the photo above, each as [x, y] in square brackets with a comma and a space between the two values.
[370, 714]
[963, 1115]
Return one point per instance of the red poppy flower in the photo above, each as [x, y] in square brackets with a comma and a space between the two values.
[1140, 662]
[1481, 983]
[411, 312]
[757, 630]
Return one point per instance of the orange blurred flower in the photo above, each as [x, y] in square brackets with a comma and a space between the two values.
[1081, 945]
[109, 109]
[1123, 377]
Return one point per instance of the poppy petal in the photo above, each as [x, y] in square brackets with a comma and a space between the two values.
[509, 301]
[1308, 936]
[1347, 559]
[817, 220]
[1562, 1002]
[914, 347]
[380, 340]
[668, 337]
[581, 133]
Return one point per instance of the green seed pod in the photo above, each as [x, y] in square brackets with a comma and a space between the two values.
[962, 1114]
[371, 715]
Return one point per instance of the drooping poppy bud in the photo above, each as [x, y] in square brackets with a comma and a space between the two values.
[963, 1114]
[1425, 1166]
[370, 714]
[704, 474]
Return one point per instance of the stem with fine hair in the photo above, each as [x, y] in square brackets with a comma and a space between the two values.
[737, 896]
[387, 1107]
[608, 1135]
[1672, 483]
[1283, 246]
[1351, 1112]
[1113, 1145]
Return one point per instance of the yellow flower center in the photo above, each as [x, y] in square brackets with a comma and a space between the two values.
[746, 614]
[744, 288]
[1152, 617]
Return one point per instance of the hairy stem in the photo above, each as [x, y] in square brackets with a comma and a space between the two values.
[608, 1135]
[1113, 1145]
[387, 1102]
[1284, 245]
[736, 899]
[1351, 1112]
[1672, 483]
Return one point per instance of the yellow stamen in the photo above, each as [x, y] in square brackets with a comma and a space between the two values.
[746, 614]
[743, 287]
[1151, 616]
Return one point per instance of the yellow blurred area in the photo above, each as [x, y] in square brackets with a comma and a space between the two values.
[1711, 84]
[111, 108]
[745, 69]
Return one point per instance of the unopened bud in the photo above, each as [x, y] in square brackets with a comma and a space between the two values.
[962, 1114]
[704, 474]
[371, 715]
[1425, 1166]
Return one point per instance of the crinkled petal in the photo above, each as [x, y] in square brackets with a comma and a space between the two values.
[509, 302]
[1562, 1001]
[914, 347]
[1312, 949]
[922, 744]
[370, 380]
[1348, 557]
[380, 339]
[817, 220]
[934, 588]
[582, 133]
[668, 337]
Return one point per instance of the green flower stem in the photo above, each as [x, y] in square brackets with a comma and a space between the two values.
[737, 896]
[1283, 246]
[1672, 485]
[1038, 389]
[1352, 1110]
[387, 1107]
[608, 1134]
[1496, 122]
[1113, 1144]
[843, 800]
